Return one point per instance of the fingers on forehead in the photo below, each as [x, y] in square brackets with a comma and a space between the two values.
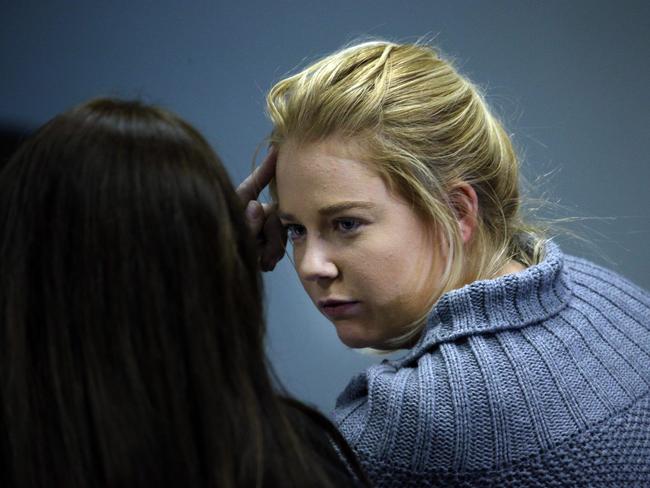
[260, 177]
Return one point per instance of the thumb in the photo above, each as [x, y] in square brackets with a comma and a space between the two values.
[254, 217]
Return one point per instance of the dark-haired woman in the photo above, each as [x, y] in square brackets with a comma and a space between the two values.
[131, 318]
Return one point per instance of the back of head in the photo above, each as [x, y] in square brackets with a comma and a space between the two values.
[425, 129]
[131, 311]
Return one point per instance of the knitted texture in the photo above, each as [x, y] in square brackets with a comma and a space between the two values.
[539, 378]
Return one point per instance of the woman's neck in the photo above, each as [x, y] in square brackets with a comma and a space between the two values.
[512, 267]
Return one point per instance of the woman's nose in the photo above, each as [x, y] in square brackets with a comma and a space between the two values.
[315, 263]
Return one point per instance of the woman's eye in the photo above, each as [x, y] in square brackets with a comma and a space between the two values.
[295, 231]
[347, 225]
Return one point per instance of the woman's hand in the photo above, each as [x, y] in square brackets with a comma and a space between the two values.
[261, 218]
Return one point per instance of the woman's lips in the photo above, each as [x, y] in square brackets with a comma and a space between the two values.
[339, 309]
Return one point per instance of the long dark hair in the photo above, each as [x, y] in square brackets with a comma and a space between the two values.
[131, 318]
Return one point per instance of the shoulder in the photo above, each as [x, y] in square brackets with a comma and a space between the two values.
[604, 300]
[590, 278]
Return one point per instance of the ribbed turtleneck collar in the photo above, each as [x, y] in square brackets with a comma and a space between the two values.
[507, 302]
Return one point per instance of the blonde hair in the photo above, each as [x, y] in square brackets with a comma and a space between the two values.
[425, 129]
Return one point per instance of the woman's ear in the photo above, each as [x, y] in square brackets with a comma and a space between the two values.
[465, 202]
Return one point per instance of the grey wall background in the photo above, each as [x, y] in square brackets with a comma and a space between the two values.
[570, 79]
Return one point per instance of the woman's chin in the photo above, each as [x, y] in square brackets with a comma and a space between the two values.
[355, 336]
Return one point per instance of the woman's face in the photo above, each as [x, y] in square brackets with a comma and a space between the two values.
[366, 259]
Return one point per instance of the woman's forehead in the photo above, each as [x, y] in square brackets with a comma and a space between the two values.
[324, 167]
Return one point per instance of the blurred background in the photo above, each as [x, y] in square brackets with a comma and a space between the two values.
[570, 80]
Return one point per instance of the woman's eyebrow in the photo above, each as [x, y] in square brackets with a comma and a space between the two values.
[340, 207]
[333, 209]
[285, 216]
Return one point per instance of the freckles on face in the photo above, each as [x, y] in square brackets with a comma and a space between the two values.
[398, 266]
[354, 242]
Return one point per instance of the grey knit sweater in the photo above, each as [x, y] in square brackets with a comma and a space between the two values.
[539, 378]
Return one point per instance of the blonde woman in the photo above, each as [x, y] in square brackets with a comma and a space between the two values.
[399, 191]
